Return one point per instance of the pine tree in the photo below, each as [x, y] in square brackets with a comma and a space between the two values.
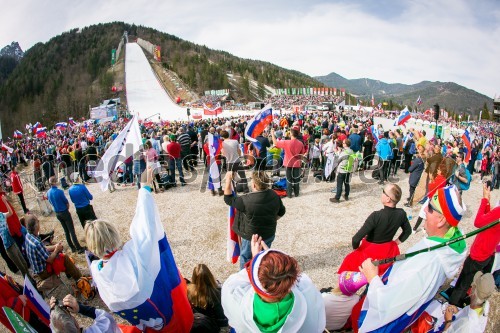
[486, 112]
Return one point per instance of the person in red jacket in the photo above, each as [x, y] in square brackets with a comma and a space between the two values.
[482, 251]
[17, 188]
[174, 159]
[11, 297]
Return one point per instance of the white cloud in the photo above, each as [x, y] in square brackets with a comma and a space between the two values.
[441, 40]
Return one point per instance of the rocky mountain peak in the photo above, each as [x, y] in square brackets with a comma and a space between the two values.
[13, 50]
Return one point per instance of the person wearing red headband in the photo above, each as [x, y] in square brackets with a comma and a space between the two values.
[271, 295]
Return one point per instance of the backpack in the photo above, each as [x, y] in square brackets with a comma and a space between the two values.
[465, 186]
[85, 288]
[352, 162]
[412, 149]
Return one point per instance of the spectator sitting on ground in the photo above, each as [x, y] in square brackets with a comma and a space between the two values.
[472, 318]
[338, 308]
[272, 295]
[11, 296]
[475, 315]
[204, 294]
[46, 261]
[61, 320]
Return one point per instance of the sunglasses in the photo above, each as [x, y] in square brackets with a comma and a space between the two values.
[432, 208]
[383, 191]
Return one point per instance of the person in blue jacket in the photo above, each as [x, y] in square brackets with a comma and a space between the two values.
[384, 152]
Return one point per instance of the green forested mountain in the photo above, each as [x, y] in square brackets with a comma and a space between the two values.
[454, 97]
[61, 78]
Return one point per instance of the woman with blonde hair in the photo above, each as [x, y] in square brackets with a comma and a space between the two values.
[139, 280]
[102, 238]
[204, 295]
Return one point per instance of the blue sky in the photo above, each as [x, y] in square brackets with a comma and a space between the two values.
[388, 40]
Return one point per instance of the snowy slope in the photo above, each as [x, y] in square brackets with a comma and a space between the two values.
[145, 95]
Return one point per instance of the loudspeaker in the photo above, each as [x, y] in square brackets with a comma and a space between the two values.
[436, 111]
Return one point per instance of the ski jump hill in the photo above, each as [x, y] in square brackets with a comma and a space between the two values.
[146, 97]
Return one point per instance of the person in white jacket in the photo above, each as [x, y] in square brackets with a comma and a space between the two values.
[270, 294]
[398, 298]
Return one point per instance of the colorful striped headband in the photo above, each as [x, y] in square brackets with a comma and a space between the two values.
[253, 273]
[446, 200]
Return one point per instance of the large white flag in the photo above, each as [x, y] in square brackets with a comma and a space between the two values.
[125, 145]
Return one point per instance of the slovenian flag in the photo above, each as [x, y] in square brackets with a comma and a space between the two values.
[214, 148]
[40, 132]
[467, 147]
[36, 303]
[72, 122]
[233, 245]
[6, 148]
[35, 127]
[258, 124]
[212, 112]
[404, 116]
[487, 143]
[18, 134]
[141, 282]
[419, 100]
[61, 126]
[375, 134]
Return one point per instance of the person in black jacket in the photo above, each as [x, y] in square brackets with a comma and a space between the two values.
[256, 212]
[415, 170]
[375, 238]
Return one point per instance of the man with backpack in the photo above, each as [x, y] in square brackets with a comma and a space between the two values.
[462, 176]
[346, 166]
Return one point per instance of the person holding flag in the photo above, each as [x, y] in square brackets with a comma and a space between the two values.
[11, 296]
[18, 134]
[256, 213]
[139, 280]
[419, 101]
[212, 148]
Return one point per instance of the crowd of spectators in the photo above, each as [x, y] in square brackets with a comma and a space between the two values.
[271, 293]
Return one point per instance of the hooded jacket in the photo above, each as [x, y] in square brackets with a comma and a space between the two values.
[384, 149]
[397, 299]
[306, 316]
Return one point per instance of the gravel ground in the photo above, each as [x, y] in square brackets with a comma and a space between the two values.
[316, 232]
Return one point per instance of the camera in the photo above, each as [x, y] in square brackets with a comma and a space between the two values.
[489, 184]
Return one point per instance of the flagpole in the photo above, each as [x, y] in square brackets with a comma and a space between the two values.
[435, 247]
